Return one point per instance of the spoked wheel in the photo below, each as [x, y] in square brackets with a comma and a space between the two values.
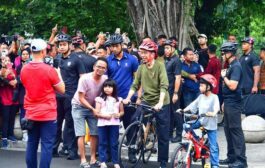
[131, 142]
[179, 156]
[149, 144]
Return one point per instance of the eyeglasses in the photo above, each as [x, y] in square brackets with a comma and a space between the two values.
[100, 67]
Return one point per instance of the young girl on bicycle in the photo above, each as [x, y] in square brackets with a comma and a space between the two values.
[109, 109]
[207, 103]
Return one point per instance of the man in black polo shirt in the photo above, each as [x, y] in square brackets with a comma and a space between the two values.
[71, 68]
[79, 50]
[250, 66]
[202, 51]
[173, 67]
[233, 78]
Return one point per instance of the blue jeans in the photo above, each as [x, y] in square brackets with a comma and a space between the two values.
[108, 137]
[46, 132]
[212, 137]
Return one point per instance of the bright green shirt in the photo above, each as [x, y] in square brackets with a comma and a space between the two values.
[153, 81]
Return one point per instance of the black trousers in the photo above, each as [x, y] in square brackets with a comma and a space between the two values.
[176, 119]
[64, 109]
[236, 149]
[8, 115]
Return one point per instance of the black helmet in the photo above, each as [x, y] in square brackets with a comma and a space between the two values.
[115, 39]
[64, 37]
[172, 43]
[107, 43]
[229, 47]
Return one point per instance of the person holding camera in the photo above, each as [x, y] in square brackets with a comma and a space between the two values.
[40, 81]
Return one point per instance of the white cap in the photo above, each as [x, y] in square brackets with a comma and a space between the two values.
[38, 45]
[202, 35]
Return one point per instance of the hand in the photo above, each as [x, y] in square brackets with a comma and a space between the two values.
[13, 83]
[138, 101]
[175, 98]
[158, 106]
[55, 29]
[193, 77]
[116, 115]
[108, 116]
[210, 114]
[254, 89]
[126, 101]
[179, 111]
[101, 36]
[223, 73]
[95, 112]
[222, 107]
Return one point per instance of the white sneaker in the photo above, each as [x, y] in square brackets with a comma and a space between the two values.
[116, 166]
[103, 165]
[25, 136]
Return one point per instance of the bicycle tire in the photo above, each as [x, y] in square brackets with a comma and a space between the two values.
[138, 145]
[176, 162]
[149, 145]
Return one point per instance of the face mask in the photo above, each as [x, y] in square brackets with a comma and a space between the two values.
[4, 53]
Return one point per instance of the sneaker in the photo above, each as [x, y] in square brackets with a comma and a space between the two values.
[116, 166]
[176, 139]
[84, 165]
[95, 165]
[236, 164]
[12, 138]
[225, 161]
[4, 143]
[163, 164]
[103, 165]
[64, 152]
[25, 137]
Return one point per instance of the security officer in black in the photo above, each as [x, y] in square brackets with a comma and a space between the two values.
[71, 68]
[232, 94]
[173, 67]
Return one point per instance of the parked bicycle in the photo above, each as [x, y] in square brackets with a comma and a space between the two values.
[139, 137]
[195, 149]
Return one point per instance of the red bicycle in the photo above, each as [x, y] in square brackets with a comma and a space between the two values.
[194, 149]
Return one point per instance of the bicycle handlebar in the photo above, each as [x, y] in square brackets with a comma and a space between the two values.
[149, 108]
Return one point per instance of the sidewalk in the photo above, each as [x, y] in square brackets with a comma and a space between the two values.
[255, 152]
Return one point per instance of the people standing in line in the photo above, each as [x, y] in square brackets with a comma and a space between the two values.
[232, 94]
[121, 68]
[109, 108]
[40, 104]
[83, 110]
[173, 68]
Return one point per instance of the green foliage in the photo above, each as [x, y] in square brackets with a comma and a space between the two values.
[40, 16]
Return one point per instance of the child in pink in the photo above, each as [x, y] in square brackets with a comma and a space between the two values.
[109, 110]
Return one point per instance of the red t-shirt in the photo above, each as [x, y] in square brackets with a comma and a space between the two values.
[38, 80]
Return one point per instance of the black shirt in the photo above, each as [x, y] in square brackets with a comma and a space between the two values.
[71, 67]
[173, 67]
[88, 61]
[203, 57]
[234, 72]
[247, 62]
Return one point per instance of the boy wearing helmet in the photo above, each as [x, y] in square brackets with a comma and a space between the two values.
[207, 103]
[152, 77]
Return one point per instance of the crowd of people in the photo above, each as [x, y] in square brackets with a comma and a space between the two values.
[69, 79]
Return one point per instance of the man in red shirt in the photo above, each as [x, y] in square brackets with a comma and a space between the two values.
[40, 81]
[213, 67]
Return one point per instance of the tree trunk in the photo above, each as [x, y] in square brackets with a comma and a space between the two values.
[169, 17]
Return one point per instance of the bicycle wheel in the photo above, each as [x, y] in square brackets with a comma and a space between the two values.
[132, 141]
[149, 144]
[179, 156]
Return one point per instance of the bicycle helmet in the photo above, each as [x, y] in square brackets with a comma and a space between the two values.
[107, 43]
[149, 46]
[115, 39]
[209, 79]
[229, 47]
[64, 37]
[249, 40]
[77, 40]
[172, 43]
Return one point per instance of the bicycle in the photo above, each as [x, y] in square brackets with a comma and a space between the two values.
[139, 137]
[192, 150]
